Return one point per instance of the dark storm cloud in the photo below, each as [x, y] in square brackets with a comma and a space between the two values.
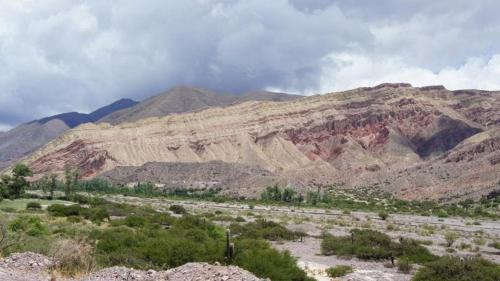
[59, 55]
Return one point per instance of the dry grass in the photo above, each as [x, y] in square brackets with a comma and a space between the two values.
[74, 258]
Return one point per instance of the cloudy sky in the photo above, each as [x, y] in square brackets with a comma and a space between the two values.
[60, 55]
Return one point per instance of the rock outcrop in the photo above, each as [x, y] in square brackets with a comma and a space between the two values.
[386, 135]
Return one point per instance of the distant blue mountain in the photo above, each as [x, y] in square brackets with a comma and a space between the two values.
[27, 137]
[73, 119]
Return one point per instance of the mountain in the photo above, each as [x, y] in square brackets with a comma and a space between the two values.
[29, 136]
[184, 99]
[424, 142]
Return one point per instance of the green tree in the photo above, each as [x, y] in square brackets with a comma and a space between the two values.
[313, 197]
[15, 184]
[288, 195]
[52, 185]
[71, 177]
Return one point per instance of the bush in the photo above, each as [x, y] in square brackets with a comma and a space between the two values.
[259, 258]
[442, 214]
[413, 251]
[369, 244]
[338, 271]
[261, 229]
[383, 215]
[33, 206]
[178, 209]
[450, 237]
[452, 269]
[32, 226]
[404, 265]
[73, 257]
[60, 210]
[96, 214]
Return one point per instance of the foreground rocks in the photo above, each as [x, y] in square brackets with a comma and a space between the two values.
[35, 267]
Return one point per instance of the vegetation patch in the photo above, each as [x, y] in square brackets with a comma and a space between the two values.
[372, 245]
[338, 271]
[454, 269]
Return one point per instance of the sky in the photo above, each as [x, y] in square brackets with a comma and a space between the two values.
[58, 56]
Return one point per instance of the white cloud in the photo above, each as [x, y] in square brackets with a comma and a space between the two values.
[344, 71]
[59, 55]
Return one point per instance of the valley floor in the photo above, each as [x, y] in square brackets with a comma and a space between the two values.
[474, 235]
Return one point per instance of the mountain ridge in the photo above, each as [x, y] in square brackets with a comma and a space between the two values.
[181, 99]
[376, 133]
[27, 137]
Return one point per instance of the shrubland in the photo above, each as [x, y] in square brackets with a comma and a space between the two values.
[99, 234]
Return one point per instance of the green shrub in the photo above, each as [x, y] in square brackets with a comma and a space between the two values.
[97, 215]
[369, 244]
[178, 209]
[442, 214]
[404, 265]
[383, 215]
[259, 258]
[450, 238]
[33, 206]
[240, 219]
[338, 271]
[262, 229]
[453, 269]
[60, 210]
[32, 226]
[413, 251]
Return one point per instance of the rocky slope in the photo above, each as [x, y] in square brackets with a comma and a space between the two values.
[27, 137]
[392, 135]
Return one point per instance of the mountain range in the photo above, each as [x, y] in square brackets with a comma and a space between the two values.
[416, 142]
[27, 137]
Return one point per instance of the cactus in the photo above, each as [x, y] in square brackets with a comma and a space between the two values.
[229, 246]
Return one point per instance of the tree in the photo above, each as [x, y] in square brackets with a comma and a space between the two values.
[313, 197]
[288, 195]
[71, 177]
[52, 185]
[16, 184]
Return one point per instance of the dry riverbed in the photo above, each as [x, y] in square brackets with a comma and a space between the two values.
[475, 235]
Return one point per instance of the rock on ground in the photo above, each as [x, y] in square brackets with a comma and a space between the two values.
[35, 267]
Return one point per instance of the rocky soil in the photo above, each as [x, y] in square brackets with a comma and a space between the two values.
[35, 267]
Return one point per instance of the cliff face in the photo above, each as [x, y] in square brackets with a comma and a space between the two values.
[389, 134]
